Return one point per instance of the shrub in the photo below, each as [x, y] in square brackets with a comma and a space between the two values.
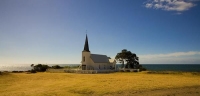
[32, 71]
[56, 67]
[14, 71]
[41, 67]
[20, 71]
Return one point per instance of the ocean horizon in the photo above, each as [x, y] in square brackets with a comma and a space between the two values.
[149, 67]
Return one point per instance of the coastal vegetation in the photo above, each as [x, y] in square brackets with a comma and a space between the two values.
[39, 68]
[115, 84]
[128, 60]
[65, 67]
[43, 68]
[57, 67]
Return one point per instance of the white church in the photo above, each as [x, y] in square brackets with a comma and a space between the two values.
[95, 61]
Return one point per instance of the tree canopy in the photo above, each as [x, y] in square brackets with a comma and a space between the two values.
[127, 58]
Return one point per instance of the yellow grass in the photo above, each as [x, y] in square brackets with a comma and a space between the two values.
[67, 84]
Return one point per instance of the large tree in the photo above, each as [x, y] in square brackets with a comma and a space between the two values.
[127, 58]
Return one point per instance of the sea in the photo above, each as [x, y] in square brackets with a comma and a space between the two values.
[26, 67]
[149, 67]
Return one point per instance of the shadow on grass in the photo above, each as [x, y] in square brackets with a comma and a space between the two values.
[164, 72]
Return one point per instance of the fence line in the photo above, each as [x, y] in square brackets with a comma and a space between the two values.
[89, 71]
[55, 70]
[128, 70]
[79, 71]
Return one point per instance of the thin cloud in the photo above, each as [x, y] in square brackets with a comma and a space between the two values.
[171, 5]
[174, 58]
[176, 54]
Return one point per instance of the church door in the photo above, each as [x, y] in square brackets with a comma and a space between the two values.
[83, 67]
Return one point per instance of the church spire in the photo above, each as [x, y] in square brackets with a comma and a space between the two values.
[86, 47]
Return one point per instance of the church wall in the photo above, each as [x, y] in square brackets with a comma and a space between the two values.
[102, 66]
[90, 65]
[86, 60]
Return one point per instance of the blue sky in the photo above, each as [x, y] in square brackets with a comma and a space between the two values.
[53, 31]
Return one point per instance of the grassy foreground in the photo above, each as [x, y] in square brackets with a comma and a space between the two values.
[69, 84]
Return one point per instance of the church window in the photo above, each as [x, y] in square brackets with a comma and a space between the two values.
[84, 59]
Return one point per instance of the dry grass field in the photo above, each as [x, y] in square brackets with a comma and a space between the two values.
[71, 84]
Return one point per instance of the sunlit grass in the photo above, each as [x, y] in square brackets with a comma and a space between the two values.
[56, 84]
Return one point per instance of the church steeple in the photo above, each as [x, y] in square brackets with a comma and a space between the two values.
[86, 46]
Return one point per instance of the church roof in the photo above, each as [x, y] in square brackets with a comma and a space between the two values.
[97, 58]
[86, 46]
